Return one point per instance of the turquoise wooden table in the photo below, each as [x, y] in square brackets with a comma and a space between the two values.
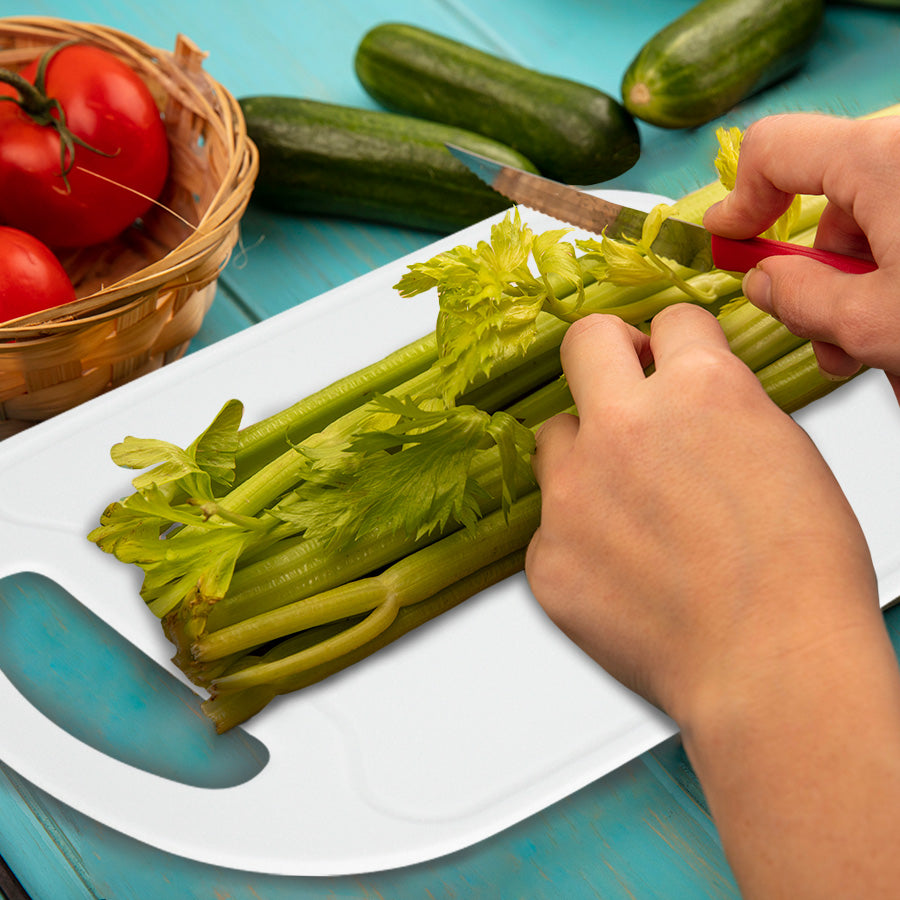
[639, 832]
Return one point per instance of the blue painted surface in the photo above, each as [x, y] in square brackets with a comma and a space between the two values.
[641, 832]
[93, 683]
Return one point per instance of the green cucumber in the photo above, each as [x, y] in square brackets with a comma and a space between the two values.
[717, 54]
[326, 159]
[572, 132]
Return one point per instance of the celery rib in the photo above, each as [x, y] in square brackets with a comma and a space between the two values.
[795, 380]
[331, 648]
[262, 441]
[754, 336]
[306, 566]
[413, 579]
[278, 476]
[231, 709]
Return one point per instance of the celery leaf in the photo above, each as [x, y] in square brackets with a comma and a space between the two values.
[415, 476]
[208, 460]
[490, 297]
[726, 160]
[632, 261]
[726, 163]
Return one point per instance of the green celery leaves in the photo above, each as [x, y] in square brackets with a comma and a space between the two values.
[415, 477]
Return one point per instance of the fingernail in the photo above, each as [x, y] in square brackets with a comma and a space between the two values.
[757, 287]
[830, 376]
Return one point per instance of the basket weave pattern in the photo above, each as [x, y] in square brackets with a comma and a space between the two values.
[143, 296]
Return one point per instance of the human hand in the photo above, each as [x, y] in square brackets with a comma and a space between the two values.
[689, 528]
[855, 164]
[694, 542]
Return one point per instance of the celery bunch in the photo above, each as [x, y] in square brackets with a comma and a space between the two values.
[279, 553]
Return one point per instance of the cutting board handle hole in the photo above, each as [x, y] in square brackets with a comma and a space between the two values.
[95, 684]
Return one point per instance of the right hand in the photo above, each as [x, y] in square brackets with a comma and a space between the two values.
[852, 320]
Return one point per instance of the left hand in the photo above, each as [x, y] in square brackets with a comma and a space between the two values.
[689, 527]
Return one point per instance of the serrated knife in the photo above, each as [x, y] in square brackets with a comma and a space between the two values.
[686, 243]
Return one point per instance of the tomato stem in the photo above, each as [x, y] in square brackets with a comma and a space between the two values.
[31, 99]
[47, 111]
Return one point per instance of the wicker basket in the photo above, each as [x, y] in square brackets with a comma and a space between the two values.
[143, 296]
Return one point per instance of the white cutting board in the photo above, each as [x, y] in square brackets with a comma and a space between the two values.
[454, 733]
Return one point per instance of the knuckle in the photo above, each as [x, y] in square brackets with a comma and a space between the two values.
[883, 139]
[712, 377]
[546, 569]
[560, 493]
[848, 181]
[760, 137]
[712, 362]
[755, 134]
[714, 369]
[791, 289]
[787, 289]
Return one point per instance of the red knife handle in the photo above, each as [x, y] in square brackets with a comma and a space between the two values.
[741, 256]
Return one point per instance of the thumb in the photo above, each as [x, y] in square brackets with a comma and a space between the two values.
[856, 314]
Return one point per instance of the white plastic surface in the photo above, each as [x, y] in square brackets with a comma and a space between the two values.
[429, 746]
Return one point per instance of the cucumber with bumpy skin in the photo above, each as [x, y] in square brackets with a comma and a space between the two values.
[715, 55]
[571, 131]
[326, 159]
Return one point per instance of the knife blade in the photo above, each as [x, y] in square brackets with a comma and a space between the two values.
[684, 242]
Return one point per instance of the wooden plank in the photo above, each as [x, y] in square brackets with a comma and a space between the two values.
[38, 849]
[10, 886]
[227, 316]
[626, 836]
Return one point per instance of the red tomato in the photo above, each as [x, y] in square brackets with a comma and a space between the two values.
[108, 107]
[31, 277]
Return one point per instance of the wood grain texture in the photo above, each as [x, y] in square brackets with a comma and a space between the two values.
[641, 832]
[10, 886]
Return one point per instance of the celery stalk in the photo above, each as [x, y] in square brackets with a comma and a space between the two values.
[413, 579]
[306, 567]
[755, 336]
[278, 476]
[795, 380]
[262, 441]
[301, 567]
[258, 603]
[230, 709]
